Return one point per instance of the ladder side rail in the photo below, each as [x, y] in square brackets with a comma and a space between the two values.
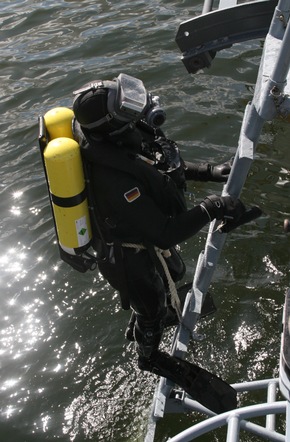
[207, 6]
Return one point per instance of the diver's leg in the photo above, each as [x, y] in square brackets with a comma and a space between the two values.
[147, 294]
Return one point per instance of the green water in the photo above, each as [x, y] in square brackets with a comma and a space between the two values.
[67, 372]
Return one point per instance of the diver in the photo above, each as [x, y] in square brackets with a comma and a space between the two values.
[137, 181]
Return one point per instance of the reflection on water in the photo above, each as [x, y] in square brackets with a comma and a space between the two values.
[67, 372]
[96, 411]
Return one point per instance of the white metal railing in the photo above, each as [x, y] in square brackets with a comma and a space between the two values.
[237, 420]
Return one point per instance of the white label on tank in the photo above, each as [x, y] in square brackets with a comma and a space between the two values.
[82, 231]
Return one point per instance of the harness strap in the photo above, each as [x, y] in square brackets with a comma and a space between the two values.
[161, 254]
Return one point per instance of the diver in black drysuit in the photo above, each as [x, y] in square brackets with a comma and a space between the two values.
[138, 180]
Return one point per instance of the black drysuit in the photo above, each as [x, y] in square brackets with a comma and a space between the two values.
[141, 206]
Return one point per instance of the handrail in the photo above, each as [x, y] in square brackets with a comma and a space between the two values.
[237, 417]
[233, 420]
[200, 37]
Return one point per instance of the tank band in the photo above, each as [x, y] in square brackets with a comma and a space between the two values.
[71, 201]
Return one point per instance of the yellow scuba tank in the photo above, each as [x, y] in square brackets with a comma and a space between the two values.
[66, 182]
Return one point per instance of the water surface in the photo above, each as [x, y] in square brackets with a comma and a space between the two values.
[67, 372]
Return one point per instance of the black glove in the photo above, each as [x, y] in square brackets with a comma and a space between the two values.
[223, 207]
[220, 172]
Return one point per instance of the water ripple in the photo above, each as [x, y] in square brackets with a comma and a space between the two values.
[66, 371]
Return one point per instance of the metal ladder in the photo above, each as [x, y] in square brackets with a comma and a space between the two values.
[270, 100]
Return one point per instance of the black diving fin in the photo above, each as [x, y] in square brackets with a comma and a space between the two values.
[204, 387]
